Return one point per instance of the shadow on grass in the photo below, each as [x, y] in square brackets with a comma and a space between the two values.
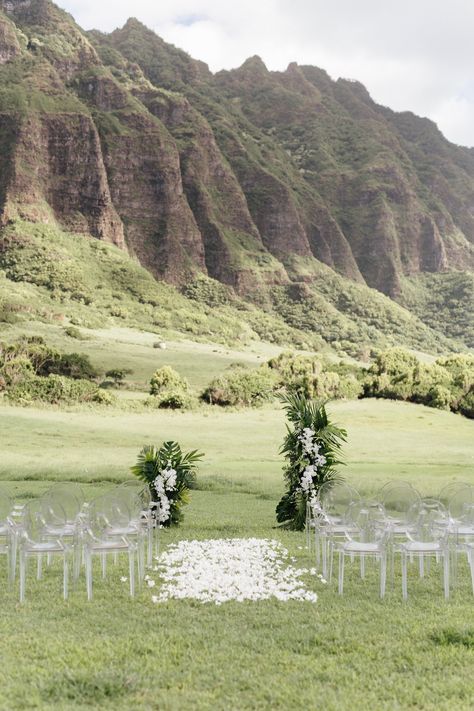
[87, 688]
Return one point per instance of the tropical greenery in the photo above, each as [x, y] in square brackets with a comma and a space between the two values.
[447, 384]
[32, 371]
[312, 449]
[242, 386]
[169, 473]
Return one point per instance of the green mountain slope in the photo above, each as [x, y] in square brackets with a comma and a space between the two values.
[293, 192]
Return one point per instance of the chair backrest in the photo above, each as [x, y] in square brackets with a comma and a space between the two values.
[397, 498]
[62, 500]
[448, 491]
[336, 497]
[136, 489]
[367, 521]
[430, 519]
[461, 502]
[6, 505]
[31, 520]
[108, 512]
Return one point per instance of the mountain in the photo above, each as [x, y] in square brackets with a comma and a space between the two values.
[298, 193]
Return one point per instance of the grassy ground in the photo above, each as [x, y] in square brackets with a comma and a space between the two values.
[354, 652]
[121, 347]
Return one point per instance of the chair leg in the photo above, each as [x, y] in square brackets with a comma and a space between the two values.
[149, 557]
[65, 576]
[446, 573]
[131, 571]
[88, 566]
[383, 574]
[22, 575]
[404, 576]
[362, 566]
[324, 548]
[341, 572]
[421, 561]
[14, 545]
[104, 564]
[39, 567]
[470, 560]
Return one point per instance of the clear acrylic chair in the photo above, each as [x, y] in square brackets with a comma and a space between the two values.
[34, 543]
[330, 519]
[428, 537]
[139, 492]
[7, 534]
[450, 490]
[461, 520]
[398, 498]
[109, 528]
[366, 537]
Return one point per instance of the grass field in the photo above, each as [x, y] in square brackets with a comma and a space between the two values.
[354, 652]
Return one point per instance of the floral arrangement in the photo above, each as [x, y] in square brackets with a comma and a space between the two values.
[170, 474]
[312, 448]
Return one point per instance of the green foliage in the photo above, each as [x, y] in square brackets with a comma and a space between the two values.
[448, 383]
[31, 371]
[166, 378]
[208, 291]
[316, 377]
[56, 390]
[153, 466]
[307, 415]
[241, 387]
[169, 389]
[444, 302]
[74, 332]
[118, 375]
[171, 398]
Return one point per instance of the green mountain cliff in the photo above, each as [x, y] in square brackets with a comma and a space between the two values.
[310, 203]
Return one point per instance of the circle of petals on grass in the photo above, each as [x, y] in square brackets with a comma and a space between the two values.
[220, 570]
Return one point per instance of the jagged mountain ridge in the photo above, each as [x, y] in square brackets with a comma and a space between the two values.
[249, 176]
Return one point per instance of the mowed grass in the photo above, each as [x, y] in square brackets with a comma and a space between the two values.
[354, 652]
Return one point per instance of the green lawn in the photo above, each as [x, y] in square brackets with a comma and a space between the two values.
[347, 653]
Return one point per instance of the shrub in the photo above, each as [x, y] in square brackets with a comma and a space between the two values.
[171, 398]
[118, 374]
[74, 332]
[239, 386]
[166, 378]
[56, 390]
[313, 377]
[72, 365]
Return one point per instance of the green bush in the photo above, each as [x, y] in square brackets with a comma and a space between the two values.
[166, 378]
[57, 390]
[169, 390]
[171, 399]
[239, 386]
[74, 332]
[448, 383]
[314, 377]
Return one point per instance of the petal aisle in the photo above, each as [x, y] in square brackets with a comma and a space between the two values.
[220, 570]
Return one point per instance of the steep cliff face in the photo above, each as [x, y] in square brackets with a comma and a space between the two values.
[249, 176]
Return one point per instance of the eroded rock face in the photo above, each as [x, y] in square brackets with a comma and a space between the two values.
[57, 162]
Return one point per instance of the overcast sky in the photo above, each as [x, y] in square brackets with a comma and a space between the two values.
[413, 55]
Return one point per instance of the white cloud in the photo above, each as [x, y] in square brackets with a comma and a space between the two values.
[411, 54]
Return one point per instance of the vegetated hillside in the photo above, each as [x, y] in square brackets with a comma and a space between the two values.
[54, 276]
[294, 191]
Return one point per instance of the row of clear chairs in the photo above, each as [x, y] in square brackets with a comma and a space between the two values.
[61, 523]
[396, 521]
